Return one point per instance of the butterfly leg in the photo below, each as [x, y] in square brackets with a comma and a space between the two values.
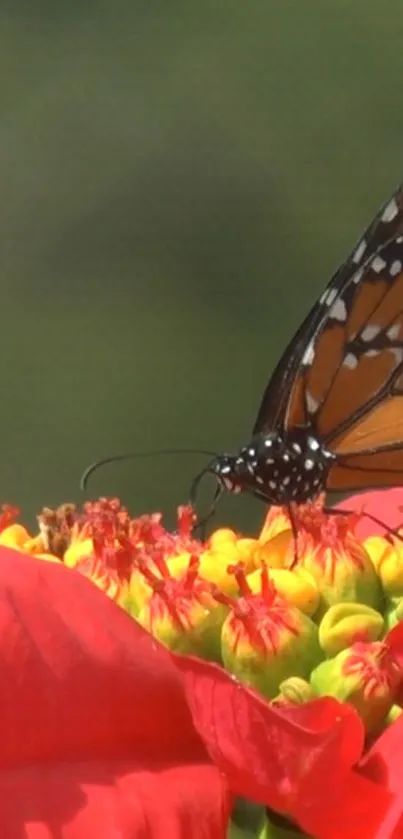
[294, 528]
[390, 531]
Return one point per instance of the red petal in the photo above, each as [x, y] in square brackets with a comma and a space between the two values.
[383, 764]
[385, 505]
[394, 640]
[296, 760]
[113, 799]
[268, 752]
[89, 705]
[384, 760]
[78, 676]
[353, 808]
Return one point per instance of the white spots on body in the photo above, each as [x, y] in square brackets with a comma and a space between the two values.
[378, 264]
[309, 355]
[286, 457]
[297, 448]
[273, 484]
[268, 442]
[251, 451]
[225, 470]
[371, 353]
[309, 464]
[370, 332]
[313, 444]
[269, 461]
[286, 480]
[359, 253]
[339, 311]
[311, 403]
[259, 479]
[395, 268]
[390, 212]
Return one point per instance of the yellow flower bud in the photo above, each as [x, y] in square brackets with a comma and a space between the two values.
[297, 588]
[345, 623]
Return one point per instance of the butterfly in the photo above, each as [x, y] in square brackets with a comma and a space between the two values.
[331, 417]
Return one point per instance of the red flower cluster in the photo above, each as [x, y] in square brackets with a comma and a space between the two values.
[105, 733]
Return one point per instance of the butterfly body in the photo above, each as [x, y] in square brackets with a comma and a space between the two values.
[278, 469]
[331, 417]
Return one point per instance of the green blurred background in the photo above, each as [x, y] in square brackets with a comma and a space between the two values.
[178, 182]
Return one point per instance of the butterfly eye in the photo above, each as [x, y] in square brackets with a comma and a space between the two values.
[226, 470]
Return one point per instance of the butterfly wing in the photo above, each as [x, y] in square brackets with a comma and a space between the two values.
[353, 383]
[300, 382]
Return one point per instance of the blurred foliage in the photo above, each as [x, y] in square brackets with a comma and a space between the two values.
[179, 180]
[237, 833]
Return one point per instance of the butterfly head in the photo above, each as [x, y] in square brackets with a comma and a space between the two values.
[229, 470]
[241, 472]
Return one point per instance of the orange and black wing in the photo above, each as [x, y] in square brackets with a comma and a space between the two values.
[306, 387]
[353, 381]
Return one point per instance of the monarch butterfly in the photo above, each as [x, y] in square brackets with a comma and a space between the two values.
[331, 417]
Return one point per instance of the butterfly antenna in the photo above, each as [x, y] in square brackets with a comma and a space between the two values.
[105, 461]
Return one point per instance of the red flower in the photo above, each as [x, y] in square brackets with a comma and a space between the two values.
[96, 738]
[106, 734]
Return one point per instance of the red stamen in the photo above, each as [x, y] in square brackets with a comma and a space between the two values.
[262, 615]
[8, 515]
[268, 588]
[374, 664]
[177, 595]
[238, 571]
[192, 573]
[186, 521]
[144, 568]
[222, 597]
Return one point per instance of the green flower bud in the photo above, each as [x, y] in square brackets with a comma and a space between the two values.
[296, 690]
[341, 567]
[297, 587]
[393, 715]
[366, 676]
[182, 613]
[264, 639]
[236, 832]
[345, 623]
[393, 612]
[389, 565]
